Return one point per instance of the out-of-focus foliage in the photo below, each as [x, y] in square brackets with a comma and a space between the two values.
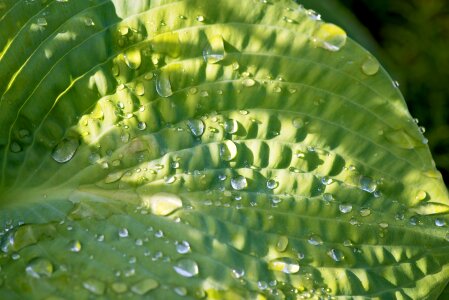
[415, 37]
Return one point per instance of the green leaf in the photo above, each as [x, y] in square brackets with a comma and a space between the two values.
[234, 150]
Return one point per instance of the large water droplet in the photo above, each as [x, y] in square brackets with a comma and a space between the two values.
[336, 255]
[214, 51]
[367, 184]
[133, 58]
[284, 264]
[182, 247]
[345, 208]
[228, 150]
[94, 286]
[230, 126]
[163, 85]
[65, 150]
[39, 267]
[282, 244]
[272, 184]
[196, 126]
[186, 267]
[239, 183]
[440, 222]
[162, 204]
[370, 66]
[144, 286]
[329, 36]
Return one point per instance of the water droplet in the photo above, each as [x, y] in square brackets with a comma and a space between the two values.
[39, 267]
[200, 18]
[329, 37]
[89, 22]
[15, 147]
[345, 208]
[421, 196]
[181, 291]
[162, 204]
[144, 286]
[326, 180]
[141, 125]
[248, 82]
[94, 286]
[182, 247]
[113, 177]
[163, 85]
[370, 66]
[139, 89]
[243, 112]
[228, 150]
[262, 285]
[214, 51]
[365, 212]
[133, 58]
[440, 222]
[230, 126]
[41, 22]
[298, 123]
[238, 273]
[75, 246]
[119, 287]
[315, 240]
[336, 255]
[282, 244]
[367, 184]
[123, 232]
[328, 197]
[186, 267]
[159, 234]
[65, 150]
[383, 225]
[149, 76]
[272, 184]
[196, 127]
[170, 179]
[284, 264]
[124, 30]
[239, 183]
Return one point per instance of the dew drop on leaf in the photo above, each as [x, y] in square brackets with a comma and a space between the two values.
[144, 286]
[315, 240]
[238, 273]
[119, 287]
[161, 204]
[163, 85]
[41, 22]
[200, 18]
[140, 89]
[214, 51]
[186, 267]
[141, 125]
[89, 22]
[370, 67]
[336, 255]
[248, 82]
[75, 246]
[345, 208]
[298, 123]
[123, 232]
[326, 180]
[133, 58]
[182, 247]
[230, 126]
[196, 127]
[282, 244]
[239, 183]
[440, 222]
[367, 184]
[39, 267]
[95, 286]
[228, 150]
[284, 264]
[272, 184]
[329, 37]
[365, 212]
[65, 150]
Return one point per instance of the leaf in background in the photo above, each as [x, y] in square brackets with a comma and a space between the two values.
[173, 149]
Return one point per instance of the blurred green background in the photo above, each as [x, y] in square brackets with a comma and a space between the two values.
[411, 39]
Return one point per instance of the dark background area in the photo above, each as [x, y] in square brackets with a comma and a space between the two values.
[413, 36]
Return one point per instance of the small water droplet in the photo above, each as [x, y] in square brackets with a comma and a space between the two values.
[200, 18]
[239, 183]
[315, 240]
[248, 82]
[238, 273]
[196, 127]
[262, 285]
[162, 204]
[421, 196]
[214, 51]
[65, 150]
[345, 208]
[328, 197]
[284, 264]
[298, 122]
[181, 291]
[133, 58]
[163, 85]
[370, 67]
[89, 22]
[383, 225]
[170, 179]
[139, 89]
[182, 247]
[123, 232]
[336, 255]
[144, 286]
[272, 184]
[141, 125]
[186, 267]
[367, 184]
[329, 37]
[39, 267]
[365, 212]
[41, 22]
[326, 180]
[94, 286]
[75, 246]
[244, 112]
[282, 244]
[15, 147]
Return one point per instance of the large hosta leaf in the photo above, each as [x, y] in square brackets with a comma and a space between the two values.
[232, 149]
